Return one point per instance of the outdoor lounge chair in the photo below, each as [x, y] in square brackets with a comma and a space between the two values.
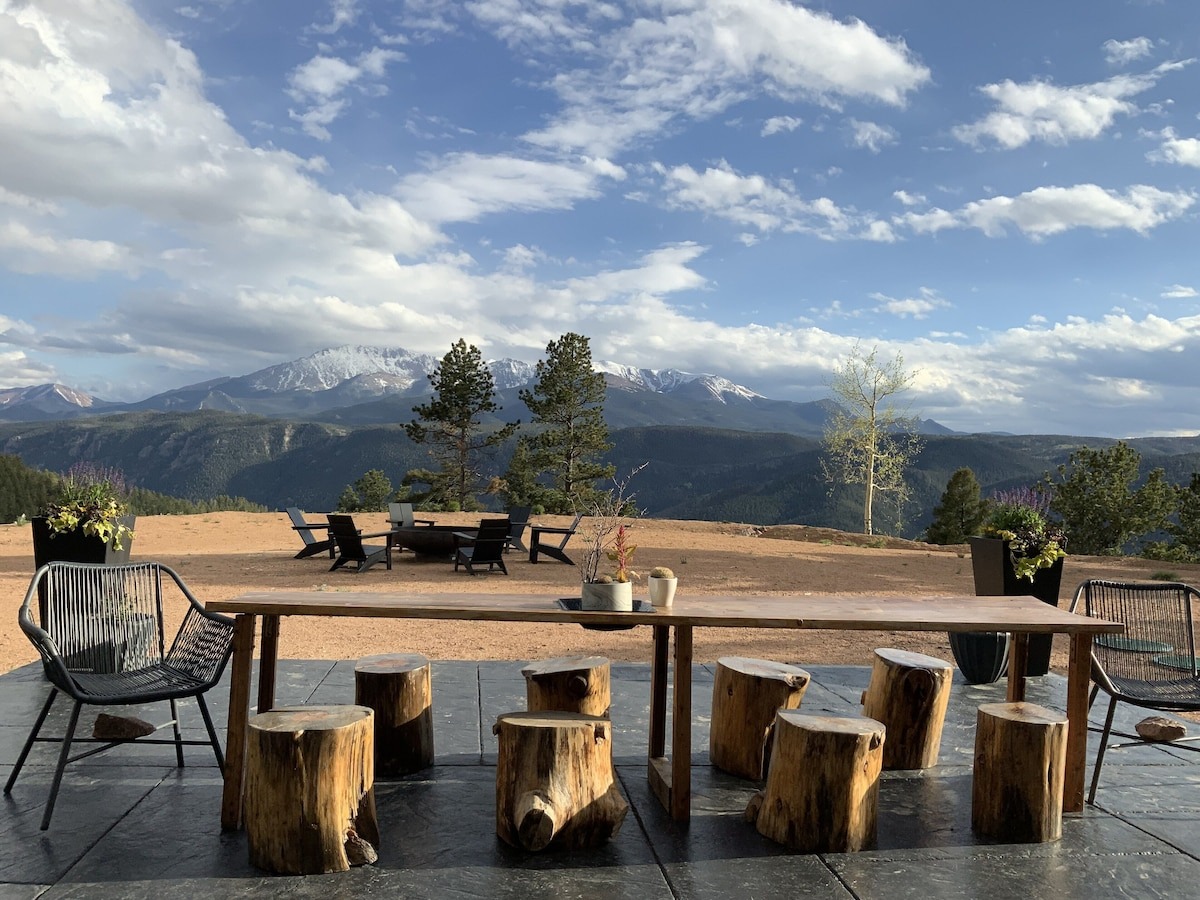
[1153, 663]
[518, 521]
[350, 546]
[487, 546]
[400, 515]
[555, 550]
[312, 544]
[101, 643]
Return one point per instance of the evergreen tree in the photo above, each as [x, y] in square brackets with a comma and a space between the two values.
[370, 493]
[520, 484]
[961, 511]
[567, 402]
[1101, 512]
[451, 424]
[869, 439]
[1187, 532]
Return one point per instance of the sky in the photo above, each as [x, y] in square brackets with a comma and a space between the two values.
[1004, 194]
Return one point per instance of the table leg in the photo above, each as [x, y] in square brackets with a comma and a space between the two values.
[239, 712]
[267, 663]
[681, 727]
[1078, 678]
[658, 692]
[1018, 662]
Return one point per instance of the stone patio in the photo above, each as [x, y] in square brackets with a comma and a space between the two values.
[128, 824]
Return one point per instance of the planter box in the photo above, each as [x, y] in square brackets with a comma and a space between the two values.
[74, 546]
[983, 657]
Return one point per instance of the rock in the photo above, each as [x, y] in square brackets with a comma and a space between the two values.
[1160, 728]
[120, 728]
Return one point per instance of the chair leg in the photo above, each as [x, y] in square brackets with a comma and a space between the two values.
[1112, 708]
[37, 727]
[212, 732]
[178, 733]
[63, 756]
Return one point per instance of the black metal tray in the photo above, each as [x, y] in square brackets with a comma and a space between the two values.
[575, 604]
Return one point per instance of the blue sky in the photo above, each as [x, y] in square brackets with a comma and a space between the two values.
[1006, 194]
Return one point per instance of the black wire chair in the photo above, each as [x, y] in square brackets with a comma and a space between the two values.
[100, 635]
[1153, 663]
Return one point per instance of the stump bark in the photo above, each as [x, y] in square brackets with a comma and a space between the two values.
[909, 693]
[1020, 759]
[398, 687]
[746, 695]
[554, 781]
[822, 791]
[578, 684]
[310, 798]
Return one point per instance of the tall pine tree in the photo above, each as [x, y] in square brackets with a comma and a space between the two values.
[961, 512]
[451, 425]
[567, 402]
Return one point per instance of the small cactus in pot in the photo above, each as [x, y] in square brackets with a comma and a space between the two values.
[662, 582]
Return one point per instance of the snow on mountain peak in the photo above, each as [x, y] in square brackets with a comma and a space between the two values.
[665, 381]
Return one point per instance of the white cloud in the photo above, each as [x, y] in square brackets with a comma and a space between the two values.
[870, 135]
[1177, 150]
[1179, 292]
[919, 307]
[909, 199]
[695, 58]
[464, 187]
[342, 13]
[1119, 53]
[31, 252]
[780, 124]
[321, 80]
[1050, 210]
[1042, 111]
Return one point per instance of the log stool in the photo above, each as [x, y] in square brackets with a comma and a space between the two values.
[310, 796]
[909, 693]
[822, 789]
[1020, 756]
[578, 684]
[554, 781]
[746, 695]
[398, 687]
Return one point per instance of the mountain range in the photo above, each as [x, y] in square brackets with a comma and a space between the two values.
[353, 386]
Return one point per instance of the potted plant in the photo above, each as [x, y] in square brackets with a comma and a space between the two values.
[1020, 551]
[605, 538]
[662, 582]
[87, 519]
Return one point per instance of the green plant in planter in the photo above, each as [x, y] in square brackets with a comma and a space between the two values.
[1021, 517]
[90, 499]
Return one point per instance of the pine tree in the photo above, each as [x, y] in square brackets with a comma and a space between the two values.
[961, 511]
[370, 493]
[451, 424]
[567, 402]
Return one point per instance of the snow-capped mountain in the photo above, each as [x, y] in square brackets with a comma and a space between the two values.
[46, 401]
[666, 381]
[329, 368]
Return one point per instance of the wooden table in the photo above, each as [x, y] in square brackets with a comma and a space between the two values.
[670, 776]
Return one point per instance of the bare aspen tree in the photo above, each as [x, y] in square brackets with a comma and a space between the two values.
[870, 439]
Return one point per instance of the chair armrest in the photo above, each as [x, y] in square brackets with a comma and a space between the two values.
[376, 534]
[550, 529]
[310, 527]
[424, 522]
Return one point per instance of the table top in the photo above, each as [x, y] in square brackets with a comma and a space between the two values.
[843, 612]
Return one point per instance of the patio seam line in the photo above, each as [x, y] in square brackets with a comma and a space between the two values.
[662, 868]
[1121, 818]
[479, 706]
[838, 876]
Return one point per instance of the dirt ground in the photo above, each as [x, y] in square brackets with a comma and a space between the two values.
[226, 554]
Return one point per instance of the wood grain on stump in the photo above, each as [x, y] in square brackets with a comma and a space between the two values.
[554, 781]
[398, 687]
[569, 684]
[746, 695]
[909, 693]
[822, 791]
[1020, 755]
[310, 798]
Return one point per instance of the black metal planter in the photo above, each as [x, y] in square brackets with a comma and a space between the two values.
[983, 656]
[75, 546]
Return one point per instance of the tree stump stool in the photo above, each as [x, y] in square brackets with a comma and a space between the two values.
[746, 695]
[554, 781]
[310, 796]
[909, 693]
[1020, 758]
[822, 790]
[398, 687]
[578, 684]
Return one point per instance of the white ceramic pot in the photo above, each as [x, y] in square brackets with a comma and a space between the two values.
[616, 597]
[662, 590]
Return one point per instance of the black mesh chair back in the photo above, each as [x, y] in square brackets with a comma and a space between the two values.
[487, 548]
[1153, 663]
[99, 632]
